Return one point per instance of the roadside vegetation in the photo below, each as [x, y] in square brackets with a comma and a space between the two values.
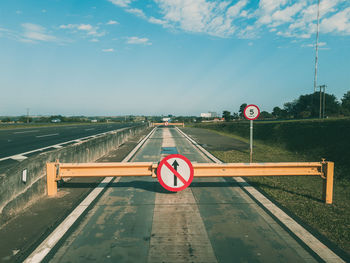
[308, 106]
[292, 141]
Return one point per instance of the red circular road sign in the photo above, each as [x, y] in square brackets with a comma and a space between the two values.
[251, 112]
[166, 123]
[175, 172]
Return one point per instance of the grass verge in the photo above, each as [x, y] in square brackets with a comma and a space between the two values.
[300, 195]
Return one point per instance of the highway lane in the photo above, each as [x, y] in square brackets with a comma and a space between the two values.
[17, 141]
[213, 220]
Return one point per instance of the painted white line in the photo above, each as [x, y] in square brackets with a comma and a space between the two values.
[19, 157]
[51, 146]
[310, 240]
[47, 135]
[45, 247]
[57, 146]
[90, 129]
[26, 131]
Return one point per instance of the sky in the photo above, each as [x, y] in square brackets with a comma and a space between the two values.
[179, 57]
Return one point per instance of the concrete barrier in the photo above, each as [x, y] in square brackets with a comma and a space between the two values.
[16, 194]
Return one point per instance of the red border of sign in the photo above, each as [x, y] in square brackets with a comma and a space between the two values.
[172, 189]
[166, 123]
[249, 106]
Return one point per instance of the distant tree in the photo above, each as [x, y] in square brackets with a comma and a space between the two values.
[24, 119]
[277, 112]
[289, 109]
[265, 115]
[226, 115]
[309, 106]
[345, 103]
[7, 119]
[235, 116]
[199, 119]
[241, 109]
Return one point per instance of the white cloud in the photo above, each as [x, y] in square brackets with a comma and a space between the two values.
[246, 18]
[34, 32]
[154, 20]
[87, 28]
[121, 3]
[201, 16]
[340, 22]
[138, 40]
[136, 11]
[320, 44]
[112, 22]
[108, 50]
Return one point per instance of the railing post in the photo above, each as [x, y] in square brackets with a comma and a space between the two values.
[51, 179]
[327, 195]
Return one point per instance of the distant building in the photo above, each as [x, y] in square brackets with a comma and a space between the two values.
[55, 120]
[206, 115]
[210, 114]
[94, 120]
[166, 119]
[213, 114]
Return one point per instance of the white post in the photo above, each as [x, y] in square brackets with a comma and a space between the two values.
[251, 141]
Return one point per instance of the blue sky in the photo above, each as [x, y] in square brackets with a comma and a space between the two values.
[181, 57]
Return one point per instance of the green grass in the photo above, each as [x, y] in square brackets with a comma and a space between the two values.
[301, 195]
[314, 139]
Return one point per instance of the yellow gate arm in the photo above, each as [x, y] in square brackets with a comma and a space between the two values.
[56, 171]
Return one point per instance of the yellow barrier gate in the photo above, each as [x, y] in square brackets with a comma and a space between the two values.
[56, 171]
[182, 124]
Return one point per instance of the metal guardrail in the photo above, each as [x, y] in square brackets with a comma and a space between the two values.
[56, 171]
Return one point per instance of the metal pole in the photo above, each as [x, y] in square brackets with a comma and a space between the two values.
[251, 141]
[320, 115]
[316, 55]
[324, 99]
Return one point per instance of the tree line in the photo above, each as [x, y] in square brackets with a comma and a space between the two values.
[306, 106]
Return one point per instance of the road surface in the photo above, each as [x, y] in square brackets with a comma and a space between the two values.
[214, 220]
[17, 141]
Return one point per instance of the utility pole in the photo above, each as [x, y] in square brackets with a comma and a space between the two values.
[27, 115]
[316, 54]
[322, 101]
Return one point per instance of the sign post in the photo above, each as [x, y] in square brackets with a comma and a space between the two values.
[251, 112]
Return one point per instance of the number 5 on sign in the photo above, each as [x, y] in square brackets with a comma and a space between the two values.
[251, 112]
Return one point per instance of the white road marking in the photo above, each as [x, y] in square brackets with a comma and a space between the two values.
[19, 157]
[25, 131]
[45, 247]
[312, 242]
[90, 129]
[57, 146]
[54, 145]
[47, 135]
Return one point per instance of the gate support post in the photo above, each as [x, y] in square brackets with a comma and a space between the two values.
[51, 179]
[327, 195]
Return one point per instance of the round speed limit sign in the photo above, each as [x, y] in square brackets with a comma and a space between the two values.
[251, 112]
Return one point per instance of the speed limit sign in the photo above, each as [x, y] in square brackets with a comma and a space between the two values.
[251, 112]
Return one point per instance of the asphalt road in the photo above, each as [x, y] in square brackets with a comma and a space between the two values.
[213, 220]
[18, 141]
